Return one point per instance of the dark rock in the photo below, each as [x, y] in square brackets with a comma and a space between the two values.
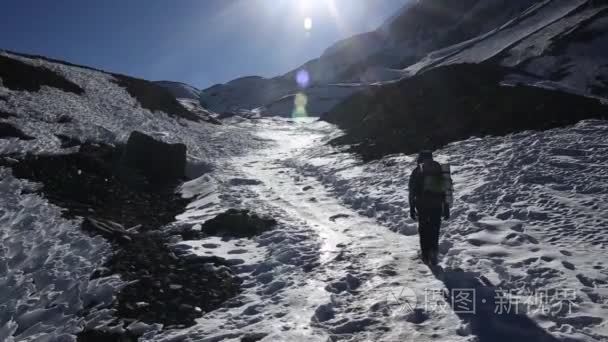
[64, 119]
[417, 316]
[17, 75]
[244, 181]
[85, 184]
[110, 230]
[9, 131]
[238, 223]
[67, 142]
[253, 337]
[310, 267]
[352, 282]
[6, 115]
[452, 103]
[154, 97]
[336, 287]
[84, 181]
[324, 312]
[174, 297]
[160, 163]
[104, 336]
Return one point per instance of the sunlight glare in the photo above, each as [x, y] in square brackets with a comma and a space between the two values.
[299, 106]
[302, 78]
[305, 5]
[307, 23]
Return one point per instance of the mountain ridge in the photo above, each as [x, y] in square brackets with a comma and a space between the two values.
[430, 33]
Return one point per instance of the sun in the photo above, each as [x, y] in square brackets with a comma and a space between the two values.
[308, 23]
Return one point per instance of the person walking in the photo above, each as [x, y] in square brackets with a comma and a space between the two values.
[428, 203]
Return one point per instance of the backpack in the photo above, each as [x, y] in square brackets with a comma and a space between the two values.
[437, 180]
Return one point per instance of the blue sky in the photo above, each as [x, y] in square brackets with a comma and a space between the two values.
[200, 42]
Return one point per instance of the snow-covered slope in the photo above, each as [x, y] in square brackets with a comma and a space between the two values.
[180, 90]
[529, 215]
[313, 101]
[559, 43]
[420, 27]
[246, 93]
[342, 264]
[45, 259]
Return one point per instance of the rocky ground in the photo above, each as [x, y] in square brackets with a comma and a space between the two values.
[164, 287]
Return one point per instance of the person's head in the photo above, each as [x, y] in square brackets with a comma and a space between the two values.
[425, 155]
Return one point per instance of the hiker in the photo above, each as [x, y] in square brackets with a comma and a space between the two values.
[428, 191]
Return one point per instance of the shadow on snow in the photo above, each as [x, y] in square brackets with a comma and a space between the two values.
[488, 323]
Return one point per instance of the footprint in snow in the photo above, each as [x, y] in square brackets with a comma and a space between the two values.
[237, 251]
[244, 181]
[568, 265]
[338, 216]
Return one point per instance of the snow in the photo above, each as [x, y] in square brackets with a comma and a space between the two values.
[507, 33]
[530, 209]
[319, 100]
[45, 260]
[529, 40]
[246, 93]
[519, 28]
[45, 264]
[181, 90]
[322, 271]
[528, 218]
[529, 213]
[105, 113]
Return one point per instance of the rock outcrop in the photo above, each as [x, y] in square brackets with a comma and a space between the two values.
[157, 162]
[452, 103]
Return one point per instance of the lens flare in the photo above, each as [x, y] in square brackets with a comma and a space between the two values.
[303, 78]
[299, 106]
[308, 23]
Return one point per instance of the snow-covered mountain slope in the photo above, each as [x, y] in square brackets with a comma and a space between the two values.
[246, 93]
[557, 43]
[313, 101]
[417, 29]
[105, 110]
[46, 261]
[560, 42]
[180, 90]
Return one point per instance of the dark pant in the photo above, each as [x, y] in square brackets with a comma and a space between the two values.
[429, 222]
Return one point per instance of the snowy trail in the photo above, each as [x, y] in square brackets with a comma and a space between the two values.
[364, 266]
[330, 272]
[342, 263]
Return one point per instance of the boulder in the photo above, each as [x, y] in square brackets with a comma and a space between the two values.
[238, 224]
[158, 162]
